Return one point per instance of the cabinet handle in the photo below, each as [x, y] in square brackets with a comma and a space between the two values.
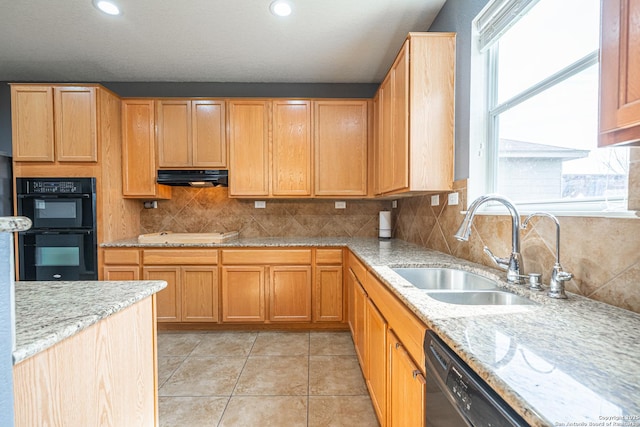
[417, 375]
[398, 345]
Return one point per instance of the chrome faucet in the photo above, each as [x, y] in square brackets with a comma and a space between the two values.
[558, 275]
[513, 264]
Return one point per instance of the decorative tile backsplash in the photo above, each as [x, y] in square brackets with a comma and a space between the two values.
[602, 253]
[199, 210]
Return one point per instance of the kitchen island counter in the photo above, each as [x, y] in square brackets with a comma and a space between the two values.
[49, 312]
[559, 362]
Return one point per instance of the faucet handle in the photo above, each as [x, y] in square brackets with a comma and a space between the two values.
[503, 263]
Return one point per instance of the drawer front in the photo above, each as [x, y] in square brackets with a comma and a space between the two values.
[328, 256]
[122, 257]
[358, 268]
[266, 256]
[180, 257]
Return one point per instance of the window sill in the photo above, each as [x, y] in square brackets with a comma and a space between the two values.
[576, 210]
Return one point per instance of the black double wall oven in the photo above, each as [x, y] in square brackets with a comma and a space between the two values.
[62, 243]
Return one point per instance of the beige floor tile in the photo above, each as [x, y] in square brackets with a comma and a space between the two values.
[177, 344]
[191, 411]
[225, 344]
[204, 376]
[331, 344]
[259, 411]
[281, 344]
[274, 375]
[335, 375]
[166, 367]
[338, 411]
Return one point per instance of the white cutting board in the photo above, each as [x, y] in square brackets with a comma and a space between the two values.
[171, 237]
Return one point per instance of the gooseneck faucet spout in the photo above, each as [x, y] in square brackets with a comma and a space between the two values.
[513, 264]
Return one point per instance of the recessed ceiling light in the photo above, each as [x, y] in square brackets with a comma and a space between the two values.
[107, 7]
[280, 8]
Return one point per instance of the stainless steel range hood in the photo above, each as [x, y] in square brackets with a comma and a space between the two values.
[194, 178]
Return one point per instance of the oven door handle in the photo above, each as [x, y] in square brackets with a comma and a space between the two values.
[54, 196]
[55, 232]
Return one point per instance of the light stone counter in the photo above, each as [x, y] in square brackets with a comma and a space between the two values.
[560, 362]
[49, 312]
[9, 224]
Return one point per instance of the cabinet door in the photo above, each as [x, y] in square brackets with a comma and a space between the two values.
[76, 124]
[290, 294]
[168, 300]
[407, 387]
[139, 152]
[328, 294]
[174, 133]
[376, 341]
[209, 137]
[620, 73]
[248, 148]
[385, 139]
[400, 121]
[243, 298]
[291, 171]
[199, 294]
[340, 142]
[32, 123]
[351, 297]
[124, 272]
[359, 338]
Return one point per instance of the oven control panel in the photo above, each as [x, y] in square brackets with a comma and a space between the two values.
[55, 187]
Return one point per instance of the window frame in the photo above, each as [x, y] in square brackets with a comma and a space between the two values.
[484, 129]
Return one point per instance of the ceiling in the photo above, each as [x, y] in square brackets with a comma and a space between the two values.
[322, 41]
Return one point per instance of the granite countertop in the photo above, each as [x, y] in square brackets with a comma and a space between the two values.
[48, 312]
[9, 224]
[560, 362]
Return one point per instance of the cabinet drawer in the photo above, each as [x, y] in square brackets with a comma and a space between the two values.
[358, 268]
[122, 257]
[180, 257]
[266, 256]
[328, 256]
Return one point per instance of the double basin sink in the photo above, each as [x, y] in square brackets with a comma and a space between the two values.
[454, 286]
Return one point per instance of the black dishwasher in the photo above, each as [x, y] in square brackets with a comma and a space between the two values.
[457, 396]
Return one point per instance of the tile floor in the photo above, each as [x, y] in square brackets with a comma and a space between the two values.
[261, 379]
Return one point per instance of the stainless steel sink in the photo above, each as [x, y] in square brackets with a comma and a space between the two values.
[481, 298]
[437, 279]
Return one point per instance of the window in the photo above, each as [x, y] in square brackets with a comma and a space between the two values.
[540, 60]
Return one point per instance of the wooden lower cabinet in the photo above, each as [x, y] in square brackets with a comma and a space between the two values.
[359, 338]
[407, 387]
[168, 300]
[125, 272]
[328, 289]
[290, 294]
[191, 294]
[376, 341]
[243, 293]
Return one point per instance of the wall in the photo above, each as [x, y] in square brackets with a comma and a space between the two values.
[5, 119]
[197, 210]
[6, 352]
[602, 253]
[456, 16]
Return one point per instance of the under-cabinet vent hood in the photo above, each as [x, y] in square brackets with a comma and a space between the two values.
[194, 178]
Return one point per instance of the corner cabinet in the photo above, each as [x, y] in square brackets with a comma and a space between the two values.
[620, 73]
[415, 117]
[139, 151]
[191, 133]
[341, 144]
[54, 123]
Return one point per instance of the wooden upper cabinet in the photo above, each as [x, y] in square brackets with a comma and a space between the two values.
[620, 73]
[248, 148]
[75, 124]
[54, 123]
[32, 117]
[292, 148]
[174, 133]
[191, 133]
[341, 140]
[139, 151]
[416, 117]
